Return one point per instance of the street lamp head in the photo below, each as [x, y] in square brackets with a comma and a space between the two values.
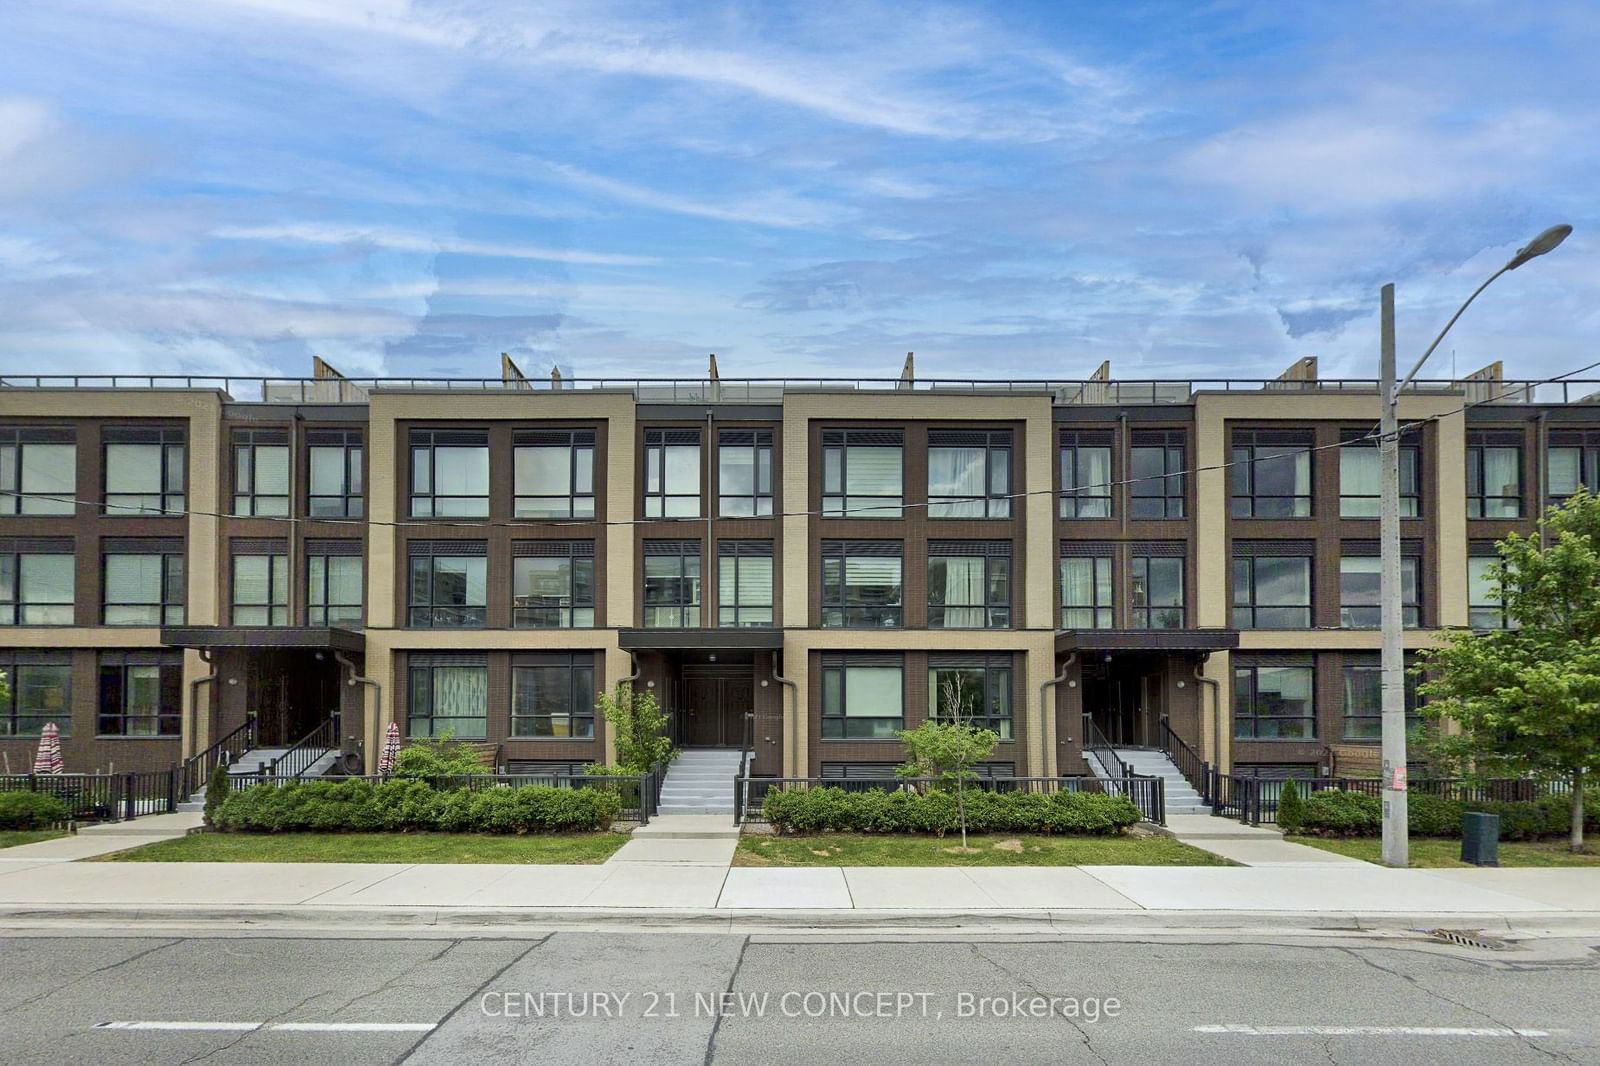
[1541, 244]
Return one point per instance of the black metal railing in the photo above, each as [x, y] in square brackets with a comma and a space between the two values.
[104, 797]
[196, 770]
[1194, 769]
[305, 752]
[1096, 744]
[1147, 793]
[1254, 800]
[639, 793]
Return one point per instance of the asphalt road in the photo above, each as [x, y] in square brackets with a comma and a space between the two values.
[700, 998]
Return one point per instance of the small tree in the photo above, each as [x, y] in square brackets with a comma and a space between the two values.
[217, 790]
[640, 726]
[427, 759]
[1291, 811]
[1528, 696]
[946, 748]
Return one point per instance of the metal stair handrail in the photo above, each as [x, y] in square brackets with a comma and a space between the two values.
[303, 753]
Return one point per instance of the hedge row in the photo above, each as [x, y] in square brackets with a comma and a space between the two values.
[1336, 813]
[877, 811]
[400, 806]
[31, 810]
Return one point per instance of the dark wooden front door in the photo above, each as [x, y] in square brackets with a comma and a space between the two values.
[716, 706]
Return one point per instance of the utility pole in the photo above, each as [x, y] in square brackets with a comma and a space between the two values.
[1396, 820]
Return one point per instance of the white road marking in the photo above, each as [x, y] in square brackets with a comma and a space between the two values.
[282, 1027]
[1369, 1030]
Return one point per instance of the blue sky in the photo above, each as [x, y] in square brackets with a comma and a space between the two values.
[1007, 189]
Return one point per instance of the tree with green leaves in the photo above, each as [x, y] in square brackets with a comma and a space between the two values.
[640, 726]
[946, 748]
[1527, 697]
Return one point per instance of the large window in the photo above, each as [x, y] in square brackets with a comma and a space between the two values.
[969, 473]
[38, 471]
[448, 695]
[1272, 592]
[744, 473]
[260, 472]
[1484, 609]
[862, 584]
[978, 689]
[333, 594]
[863, 697]
[552, 473]
[260, 590]
[141, 695]
[744, 583]
[449, 584]
[449, 473]
[1086, 592]
[144, 471]
[40, 691]
[671, 473]
[142, 589]
[1363, 701]
[863, 473]
[671, 584]
[1573, 464]
[969, 585]
[335, 485]
[1271, 474]
[1156, 474]
[1156, 591]
[1360, 584]
[555, 698]
[1361, 480]
[553, 584]
[36, 589]
[1274, 702]
[1086, 475]
[1494, 481]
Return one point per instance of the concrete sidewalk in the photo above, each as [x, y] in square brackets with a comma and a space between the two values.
[104, 838]
[1249, 845]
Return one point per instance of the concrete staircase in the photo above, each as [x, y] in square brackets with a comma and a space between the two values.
[1152, 762]
[250, 762]
[701, 782]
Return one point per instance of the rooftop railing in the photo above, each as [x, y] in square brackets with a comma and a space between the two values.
[1123, 393]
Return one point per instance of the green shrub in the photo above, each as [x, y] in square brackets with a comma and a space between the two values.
[1336, 813]
[1433, 816]
[402, 806]
[425, 759]
[905, 811]
[31, 810]
[217, 790]
[1290, 809]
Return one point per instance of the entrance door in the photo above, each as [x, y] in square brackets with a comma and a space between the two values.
[715, 707]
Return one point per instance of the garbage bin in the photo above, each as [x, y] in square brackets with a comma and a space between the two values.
[1480, 839]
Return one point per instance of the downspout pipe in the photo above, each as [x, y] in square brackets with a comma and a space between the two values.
[377, 693]
[1048, 720]
[194, 700]
[1216, 703]
[791, 728]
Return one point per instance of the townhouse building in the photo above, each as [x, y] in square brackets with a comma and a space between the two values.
[801, 567]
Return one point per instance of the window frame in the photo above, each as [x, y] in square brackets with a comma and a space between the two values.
[325, 605]
[169, 611]
[14, 611]
[760, 449]
[847, 615]
[172, 476]
[996, 610]
[423, 610]
[1102, 586]
[686, 609]
[277, 577]
[428, 443]
[1588, 468]
[13, 663]
[1254, 605]
[1410, 609]
[1243, 487]
[1412, 699]
[169, 694]
[351, 497]
[16, 498]
[1076, 489]
[658, 492]
[1141, 615]
[1478, 496]
[995, 502]
[835, 722]
[1479, 610]
[246, 447]
[426, 667]
[997, 677]
[738, 553]
[1410, 470]
[569, 615]
[1251, 691]
[1173, 505]
[581, 502]
[838, 501]
[579, 671]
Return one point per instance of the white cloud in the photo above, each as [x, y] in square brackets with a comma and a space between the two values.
[402, 241]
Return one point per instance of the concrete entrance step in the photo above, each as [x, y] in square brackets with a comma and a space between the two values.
[689, 827]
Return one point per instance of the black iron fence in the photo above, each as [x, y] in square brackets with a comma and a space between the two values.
[1096, 744]
[1254, 800]
[1147, 793]
[197, 769]
[105, 797]
[640, 794]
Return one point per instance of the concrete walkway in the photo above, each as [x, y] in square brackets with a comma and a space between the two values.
[104, 838]
[1249, 845]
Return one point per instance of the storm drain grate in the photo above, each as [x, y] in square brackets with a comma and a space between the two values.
[1470, 939]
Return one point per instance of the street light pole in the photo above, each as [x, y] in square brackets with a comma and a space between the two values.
[1396, 823]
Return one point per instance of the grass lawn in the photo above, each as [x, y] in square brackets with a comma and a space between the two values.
[552, 849]
[10, 838]
[1432, 853]
[874, 849]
